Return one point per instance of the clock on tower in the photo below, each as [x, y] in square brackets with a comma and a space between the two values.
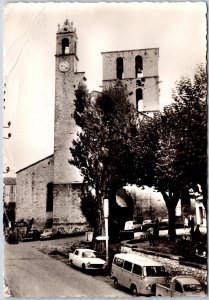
[64, 66]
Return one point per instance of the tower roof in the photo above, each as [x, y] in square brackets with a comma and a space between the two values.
[66, 27]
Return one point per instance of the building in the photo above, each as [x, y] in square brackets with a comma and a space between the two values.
[50, 188]
[138, 69]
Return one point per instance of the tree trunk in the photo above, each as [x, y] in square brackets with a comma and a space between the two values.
[171, 220]
[99, 228]
[171, 199]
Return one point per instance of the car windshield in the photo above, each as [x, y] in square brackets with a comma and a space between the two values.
[47, 230]
[89, 254]
[192, 288]
[154, 271]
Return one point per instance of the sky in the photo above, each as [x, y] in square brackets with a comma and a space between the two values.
[29, 41]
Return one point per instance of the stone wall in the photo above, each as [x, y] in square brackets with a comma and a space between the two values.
[32, 190]
[67, 212]
[32, 196]
[172, 263]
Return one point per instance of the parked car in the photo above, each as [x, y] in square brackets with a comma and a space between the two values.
[21, 223]
[180, 286]
[141, 235]
[86, 259]
[147, 222]
[131, 225]
[32, 235]
[48, 233]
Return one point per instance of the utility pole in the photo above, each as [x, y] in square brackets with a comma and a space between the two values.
[106, 215]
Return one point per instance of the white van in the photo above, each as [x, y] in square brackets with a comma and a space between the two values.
[137, 273]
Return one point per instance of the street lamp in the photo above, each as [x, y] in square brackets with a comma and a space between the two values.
[106, 215]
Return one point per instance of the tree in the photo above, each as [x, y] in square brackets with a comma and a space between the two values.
[191, 138]
[172, 147]
[103, 149]
[151, 165]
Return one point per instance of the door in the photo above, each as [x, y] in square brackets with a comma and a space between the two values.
[137, 277]
[127, 274]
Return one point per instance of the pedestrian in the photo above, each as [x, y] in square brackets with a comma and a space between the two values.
[186, 222]
[156, 229]
[191, 225]
[150, 232]
[197, 234]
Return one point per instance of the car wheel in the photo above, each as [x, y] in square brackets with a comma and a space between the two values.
[133, 290]
[71, 262]
[115, 282]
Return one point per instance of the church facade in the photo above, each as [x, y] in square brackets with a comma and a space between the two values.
[51, 188]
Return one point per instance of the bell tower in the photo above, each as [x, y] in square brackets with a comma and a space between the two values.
[67, 178]
[66, 46]
[138, 69]
[66, 81]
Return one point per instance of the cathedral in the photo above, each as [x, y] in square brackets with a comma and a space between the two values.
[50, 189]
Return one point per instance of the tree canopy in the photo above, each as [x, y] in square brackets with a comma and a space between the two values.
[115, 147]
[103, 149]
[172, 147]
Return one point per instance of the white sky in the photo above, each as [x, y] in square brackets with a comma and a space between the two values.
[29, 40]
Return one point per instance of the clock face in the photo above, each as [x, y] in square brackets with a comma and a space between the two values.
[64, 66]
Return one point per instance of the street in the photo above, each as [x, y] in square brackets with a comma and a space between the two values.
[30, 273]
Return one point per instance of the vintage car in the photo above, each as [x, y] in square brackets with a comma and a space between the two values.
[49, 233]
[181, 286]
[86, 259]
[131, 225]
[32, 235]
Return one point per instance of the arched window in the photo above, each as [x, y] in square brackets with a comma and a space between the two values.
[139, 66]
[119, 67]
[139, 99]
[49, 199]
[65, 46]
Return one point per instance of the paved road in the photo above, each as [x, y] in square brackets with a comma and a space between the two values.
[30, 273]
